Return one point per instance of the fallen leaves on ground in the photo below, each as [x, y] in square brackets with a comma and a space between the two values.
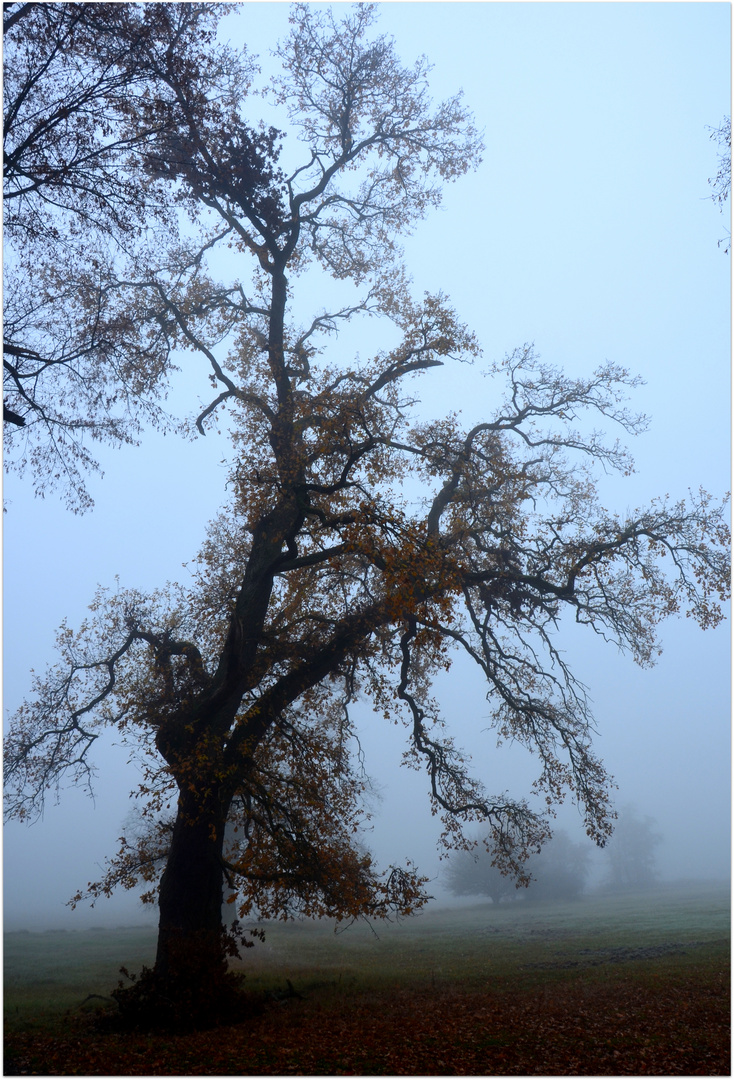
[616, 1026]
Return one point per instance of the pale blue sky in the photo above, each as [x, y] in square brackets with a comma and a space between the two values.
[588, 230]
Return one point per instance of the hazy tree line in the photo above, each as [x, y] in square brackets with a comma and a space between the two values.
[564, 869]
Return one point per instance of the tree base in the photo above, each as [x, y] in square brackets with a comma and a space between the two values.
[158, 1003]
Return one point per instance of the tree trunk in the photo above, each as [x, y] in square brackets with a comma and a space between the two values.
[190, 942]
[189, 986]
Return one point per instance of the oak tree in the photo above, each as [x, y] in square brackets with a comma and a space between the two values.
[361, 548]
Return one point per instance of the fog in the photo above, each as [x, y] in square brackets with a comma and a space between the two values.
[588, 230]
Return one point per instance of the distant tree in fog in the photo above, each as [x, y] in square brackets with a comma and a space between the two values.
[631, 852]
[560, 870]
[472, 873]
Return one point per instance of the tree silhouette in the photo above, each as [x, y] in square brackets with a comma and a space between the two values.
[560, 870]
[631, 854]
[557, 872]
[472, 873]
[360, 549]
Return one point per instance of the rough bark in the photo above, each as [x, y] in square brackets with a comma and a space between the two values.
[190, 943]
[190, 984]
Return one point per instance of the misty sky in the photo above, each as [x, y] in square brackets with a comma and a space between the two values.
[587, 230]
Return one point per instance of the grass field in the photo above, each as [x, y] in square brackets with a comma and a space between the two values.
[605, 986]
